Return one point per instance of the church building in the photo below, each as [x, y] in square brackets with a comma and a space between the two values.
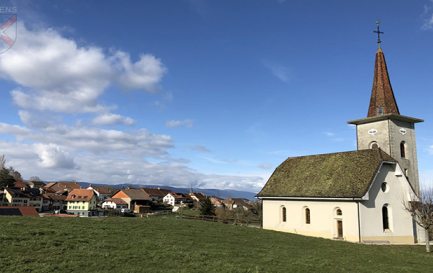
[357, 196]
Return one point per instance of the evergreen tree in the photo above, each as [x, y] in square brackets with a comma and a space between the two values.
[207, 208]
[6, 180]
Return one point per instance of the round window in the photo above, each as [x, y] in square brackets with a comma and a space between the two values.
[384, 187]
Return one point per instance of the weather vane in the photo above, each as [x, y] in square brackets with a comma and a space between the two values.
[379, 41]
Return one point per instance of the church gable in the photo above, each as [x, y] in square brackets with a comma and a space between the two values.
[337, 175]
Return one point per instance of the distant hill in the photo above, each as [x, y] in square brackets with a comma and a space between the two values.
[211, 192]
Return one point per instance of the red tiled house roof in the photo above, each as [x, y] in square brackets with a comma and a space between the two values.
[80, 195]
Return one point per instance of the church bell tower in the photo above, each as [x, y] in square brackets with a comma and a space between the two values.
[384, 127]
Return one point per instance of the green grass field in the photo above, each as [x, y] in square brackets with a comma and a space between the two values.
[168, 244]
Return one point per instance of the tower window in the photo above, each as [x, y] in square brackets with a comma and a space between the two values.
[307, 216]
[403, 149]
[284, 212]
[380, 110]
[374, 145]
[339, 212]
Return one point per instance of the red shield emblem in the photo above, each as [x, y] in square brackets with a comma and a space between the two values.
[8, 31]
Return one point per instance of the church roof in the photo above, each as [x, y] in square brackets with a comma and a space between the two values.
[336, 175]
[382, 99]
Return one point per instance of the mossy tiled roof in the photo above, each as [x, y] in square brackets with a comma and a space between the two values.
[337, 175]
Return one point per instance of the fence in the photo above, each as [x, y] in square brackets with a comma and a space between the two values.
[234, 221]
[244, 221]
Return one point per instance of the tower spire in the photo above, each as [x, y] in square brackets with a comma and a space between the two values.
[382, 99]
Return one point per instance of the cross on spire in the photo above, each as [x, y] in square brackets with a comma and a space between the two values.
[379, 41]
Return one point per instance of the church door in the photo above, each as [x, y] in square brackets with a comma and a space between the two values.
[340, 228]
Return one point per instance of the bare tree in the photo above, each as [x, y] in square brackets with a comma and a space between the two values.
[15, 174]
[35, 179]
[422, 212]
[2, 162]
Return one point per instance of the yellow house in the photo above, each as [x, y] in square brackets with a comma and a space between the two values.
[81, 202]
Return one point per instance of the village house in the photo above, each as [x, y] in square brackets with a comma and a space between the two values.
[197, 196]
[27, 198]
[102, 192]
[19, 184]
[217, 202]
[35, 184]
[16, 198]
[3, 201]
[133, 197]
[81, 202]
[174, 199]
[61, 187]
[156, 195]
[237, 203]
[114, 203]
[55, 202]
[360, 195]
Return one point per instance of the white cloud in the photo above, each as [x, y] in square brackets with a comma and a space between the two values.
[333, 136]
[329, 134]
[200, 148]
[266, 166]
[53, 162]
[53, 156]
[179, 123]
[13, 129]
[214, 160]
[110, 119]
[428, 16]
[96, 140]
[144, 74]
[428, 23]
[36, 120]
[281, 72]
[56, 74]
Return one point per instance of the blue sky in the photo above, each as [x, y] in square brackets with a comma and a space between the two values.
[198, 92]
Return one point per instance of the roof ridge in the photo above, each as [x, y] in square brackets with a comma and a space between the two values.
[343, 152]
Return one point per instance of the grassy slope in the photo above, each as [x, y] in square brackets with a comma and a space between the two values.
[176, 245]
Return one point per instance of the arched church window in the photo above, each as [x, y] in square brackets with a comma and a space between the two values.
[374, 145]
[339, 212]
[403, 149]
[385, 217]
[307, 216]
[284, 212]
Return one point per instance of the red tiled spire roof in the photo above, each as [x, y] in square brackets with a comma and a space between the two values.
[382, 99]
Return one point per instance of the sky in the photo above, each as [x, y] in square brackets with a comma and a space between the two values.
[202, 93]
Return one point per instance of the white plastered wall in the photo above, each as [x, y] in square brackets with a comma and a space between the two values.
[322, 215]
[402, 228]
